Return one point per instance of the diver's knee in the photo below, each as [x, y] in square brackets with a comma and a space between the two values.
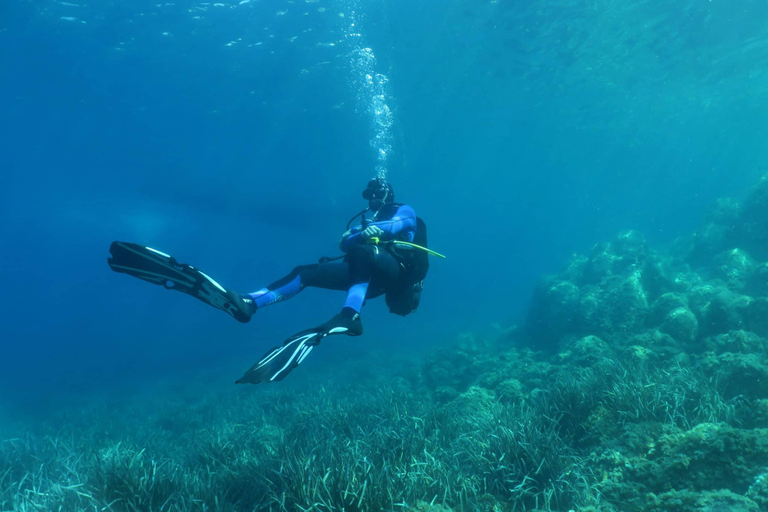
[301, 269]
[362, 251]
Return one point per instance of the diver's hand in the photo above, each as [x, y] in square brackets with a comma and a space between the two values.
[371, 232]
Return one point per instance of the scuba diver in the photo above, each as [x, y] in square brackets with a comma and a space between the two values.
[386, 254]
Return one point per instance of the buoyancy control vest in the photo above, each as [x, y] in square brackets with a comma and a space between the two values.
[406, 297]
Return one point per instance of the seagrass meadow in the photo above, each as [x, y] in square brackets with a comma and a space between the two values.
[638, 381]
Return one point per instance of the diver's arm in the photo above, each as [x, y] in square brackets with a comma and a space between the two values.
[344, 237]
[403, 222]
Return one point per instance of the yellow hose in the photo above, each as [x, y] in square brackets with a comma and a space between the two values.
[376, 240]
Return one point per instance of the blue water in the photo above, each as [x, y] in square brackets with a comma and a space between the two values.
[237, 138]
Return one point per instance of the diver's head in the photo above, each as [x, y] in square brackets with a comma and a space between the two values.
[378, 193]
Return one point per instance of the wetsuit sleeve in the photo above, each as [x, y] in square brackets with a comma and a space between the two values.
[402, 226]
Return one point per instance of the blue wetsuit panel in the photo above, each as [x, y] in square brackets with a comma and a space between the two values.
[399, 225]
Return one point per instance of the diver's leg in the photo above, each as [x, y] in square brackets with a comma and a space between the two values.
[372, 271]
[361, 261]
[330, 276]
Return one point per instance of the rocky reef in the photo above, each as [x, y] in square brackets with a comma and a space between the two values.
[690, 318]
[645, 368]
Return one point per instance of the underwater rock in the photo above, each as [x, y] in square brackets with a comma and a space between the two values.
[585, 351]
[744, 342]
[620, 307]
[449, 369]
[626, 253]
[751, 230]
[758, 491]
[554, 311]
[444, 394]
[757, 316]
[733, 225]
[706, 457]
[511, 391]
[705, 501]
[630, 245]
[739, 374]
[574, 270]
[651, 345]
[606, 295]
[600, 264]
[626, 304]
[458, 365]
[757, 414]
[664, 305]
[423, 506]
[700, 296]
[684, 282]
[758, 282]
[718, 309]
[681, 324]
[474, 406]
[639, 354]
[717, 234]
[535, 374]
[735, 267]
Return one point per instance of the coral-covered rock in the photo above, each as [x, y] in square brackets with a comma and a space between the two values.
[718, 309]
[706, 457]
[585, 351]
[664, 305]
[735, 267]
[511, 390]
[625, 304]
[744, 342]
[716, 235]
[681, 324]
[651, 345]
[758, 282]
[732, 225]
[607, 295]
[457, 366]
[739, 374]
[751, 229]
[444, 394]
[574, 271]
[757, 316]
[705, 501]
[423, 506]
[474, 406]
[700, 296]
[756, 416]
[684, 282]
[619, 258]
[554, 311]
[758, 491]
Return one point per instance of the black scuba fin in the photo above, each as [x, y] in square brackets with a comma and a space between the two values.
[279, 361]
[162, 269]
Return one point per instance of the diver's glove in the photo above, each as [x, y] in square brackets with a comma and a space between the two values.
[371, 232]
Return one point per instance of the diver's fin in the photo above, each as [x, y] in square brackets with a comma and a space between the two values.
[159, 268]
[279, 361]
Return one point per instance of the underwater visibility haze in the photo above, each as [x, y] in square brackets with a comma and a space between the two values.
[594, 173]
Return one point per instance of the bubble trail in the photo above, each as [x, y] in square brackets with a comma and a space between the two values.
[371, 88]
